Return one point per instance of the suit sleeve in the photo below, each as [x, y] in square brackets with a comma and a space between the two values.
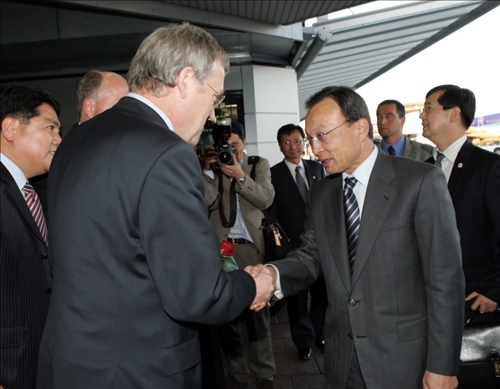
[490, 285]
[439, 248]
[211, 192]
[181, 246]
[259, 193]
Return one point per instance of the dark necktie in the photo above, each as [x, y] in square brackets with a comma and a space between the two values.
[301, 184]
[35, 208]
[439, 159]
[351, 219]
[392, 151]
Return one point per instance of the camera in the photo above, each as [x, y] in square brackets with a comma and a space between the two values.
[221, 133]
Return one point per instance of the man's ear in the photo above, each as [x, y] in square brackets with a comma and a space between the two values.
[10, 128]
[455, 114]
[403, 120]
[184, 80]
[88, 108]
[363, 128]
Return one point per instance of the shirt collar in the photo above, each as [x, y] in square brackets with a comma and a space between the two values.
[16, 173]
[452, 150]
[399, 147]
[153, 106]
[364, 171]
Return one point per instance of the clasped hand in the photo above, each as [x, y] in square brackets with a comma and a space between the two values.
[265, 283]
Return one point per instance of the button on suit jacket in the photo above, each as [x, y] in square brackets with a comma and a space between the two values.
[402, 310]
[136, 262]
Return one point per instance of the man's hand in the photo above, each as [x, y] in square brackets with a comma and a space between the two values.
[265, 280]
[233, 170]
[438, 381]
[484, 304]
[209, 157]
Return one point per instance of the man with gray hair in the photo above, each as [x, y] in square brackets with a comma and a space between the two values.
[98, 91]
[136, 263]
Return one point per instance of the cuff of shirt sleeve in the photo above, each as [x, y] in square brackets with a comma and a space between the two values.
[277, 292]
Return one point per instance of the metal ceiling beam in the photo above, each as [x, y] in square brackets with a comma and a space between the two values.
[476, 13]
[163, 11]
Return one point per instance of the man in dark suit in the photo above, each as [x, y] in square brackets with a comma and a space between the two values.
[473, 176]
[391, 116]
[136, 263]
[292, 179]
[30, 136]
[382, 232]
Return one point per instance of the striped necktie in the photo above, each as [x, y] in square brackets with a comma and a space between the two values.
[301, 184]
[35, 207]
[351, 219]
[439, 159]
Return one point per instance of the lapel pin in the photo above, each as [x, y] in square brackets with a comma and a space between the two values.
[460, 165]
[314, 177]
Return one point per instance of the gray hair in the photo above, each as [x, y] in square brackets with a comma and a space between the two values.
[165, 52]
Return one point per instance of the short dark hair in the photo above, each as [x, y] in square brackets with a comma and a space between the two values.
[238, 129]
[287, 129]
[454, 96]
[22, 102]
[88, 87]
[352, 105]
[400, 108]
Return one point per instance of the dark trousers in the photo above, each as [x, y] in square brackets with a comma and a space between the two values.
[306, 325]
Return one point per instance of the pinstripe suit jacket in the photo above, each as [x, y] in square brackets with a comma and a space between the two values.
[24, 288]
[402, 310]
[474, 187]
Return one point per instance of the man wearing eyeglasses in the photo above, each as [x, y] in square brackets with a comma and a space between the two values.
[391, 116]
[241, 225]
[136, 264]
[382, 232]
[292, 179]
[473, 176]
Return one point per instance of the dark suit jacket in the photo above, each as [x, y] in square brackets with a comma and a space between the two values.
[402, 310]
[415, 150]
[288, 206]
[474, 187]
[136, 263]
[24, 288]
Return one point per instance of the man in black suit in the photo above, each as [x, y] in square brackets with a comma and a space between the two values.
[30, 136]
[136, 263]
[382, 232]
[292, 179]
[473, 176]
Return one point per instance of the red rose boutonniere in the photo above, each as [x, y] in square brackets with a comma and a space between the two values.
[226, 254]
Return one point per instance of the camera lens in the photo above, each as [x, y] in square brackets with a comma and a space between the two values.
[225, 157]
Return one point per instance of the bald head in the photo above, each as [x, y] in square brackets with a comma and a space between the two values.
[99, 91]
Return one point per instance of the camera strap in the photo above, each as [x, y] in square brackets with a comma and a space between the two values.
[232, 203]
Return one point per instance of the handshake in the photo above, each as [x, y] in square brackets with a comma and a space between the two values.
[265, 278]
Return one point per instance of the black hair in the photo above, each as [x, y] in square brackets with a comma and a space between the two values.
[22, 102]
[287, 129]
[454, 96]
[400, 108]
[351, 104]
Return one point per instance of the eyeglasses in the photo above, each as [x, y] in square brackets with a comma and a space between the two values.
[218, 97]
[320, 137]
[428, 108]
[296, 142]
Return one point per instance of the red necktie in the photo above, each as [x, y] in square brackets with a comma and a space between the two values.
[35, 207]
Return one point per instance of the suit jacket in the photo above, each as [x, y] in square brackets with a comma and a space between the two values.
[136, 263]
[288, 206]
[253, 196]
[402, 310]
[24, 288]
[474, 187]
[414, 150]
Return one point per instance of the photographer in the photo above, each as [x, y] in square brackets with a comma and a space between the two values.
[236, 202]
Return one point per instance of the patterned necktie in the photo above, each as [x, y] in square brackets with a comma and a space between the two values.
[301, 184]
[439, 159]
[351, 219]
[35, 208]
[391, 151]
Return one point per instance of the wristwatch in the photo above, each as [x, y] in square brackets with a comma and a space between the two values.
[241, 181]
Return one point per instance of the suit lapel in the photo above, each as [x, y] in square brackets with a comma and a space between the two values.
[288, 183]
[378, 202]
[460, 167]
[18, 199]
[335, 225]
[312, 176]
